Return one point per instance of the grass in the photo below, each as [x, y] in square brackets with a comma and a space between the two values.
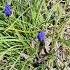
[19, 30]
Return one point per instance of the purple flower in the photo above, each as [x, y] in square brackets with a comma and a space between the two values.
[41, 36]
[8, 10]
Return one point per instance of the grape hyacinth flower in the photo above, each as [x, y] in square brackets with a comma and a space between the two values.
[8, 10]
[41, 36]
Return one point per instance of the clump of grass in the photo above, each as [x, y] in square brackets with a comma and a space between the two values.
[29, 17]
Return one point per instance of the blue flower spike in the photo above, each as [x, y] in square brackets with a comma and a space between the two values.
[8, 10]
[41, 36]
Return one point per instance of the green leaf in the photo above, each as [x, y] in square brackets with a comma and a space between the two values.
[2, 22]
[2, 16]
[67, 42]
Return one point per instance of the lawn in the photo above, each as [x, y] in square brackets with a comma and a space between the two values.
[34, 34]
